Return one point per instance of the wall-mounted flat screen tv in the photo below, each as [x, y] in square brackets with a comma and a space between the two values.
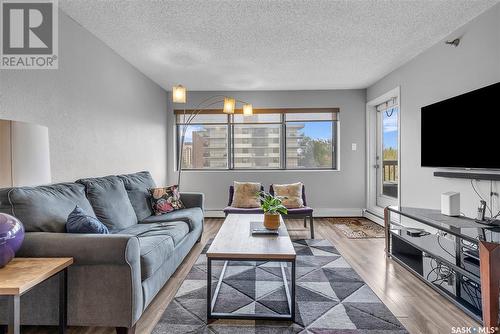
[463, 131]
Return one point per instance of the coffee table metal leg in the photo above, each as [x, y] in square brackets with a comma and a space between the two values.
[211, 300]
[63, 295]
[287, 290]
[219, 283]
[209, 288]
[292, 309]
[14, 315]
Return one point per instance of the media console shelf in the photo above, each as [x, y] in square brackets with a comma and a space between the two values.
[466, 175]
[456, 256]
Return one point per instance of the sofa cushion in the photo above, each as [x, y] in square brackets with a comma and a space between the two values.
[154, 252]
[110, 201]
[157, 242]
[80, 222]
[45, 208]
[137, 186]
[192, 216]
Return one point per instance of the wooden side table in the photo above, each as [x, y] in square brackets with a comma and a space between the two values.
[23, 274]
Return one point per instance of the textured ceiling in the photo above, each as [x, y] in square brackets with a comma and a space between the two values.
[271, 45]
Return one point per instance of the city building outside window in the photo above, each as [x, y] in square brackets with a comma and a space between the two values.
[269, 139]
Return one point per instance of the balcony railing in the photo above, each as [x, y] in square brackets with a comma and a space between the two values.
[390, 177]
[390, 170]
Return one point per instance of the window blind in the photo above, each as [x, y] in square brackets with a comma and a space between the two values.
[391, 103]
[264, 111]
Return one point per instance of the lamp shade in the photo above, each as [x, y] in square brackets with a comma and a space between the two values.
[179, 94]
[247, 109]
[229, 104]
[24, 154]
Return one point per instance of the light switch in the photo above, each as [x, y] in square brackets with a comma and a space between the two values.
[354, 146]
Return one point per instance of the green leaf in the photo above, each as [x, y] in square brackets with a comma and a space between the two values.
[270, 203]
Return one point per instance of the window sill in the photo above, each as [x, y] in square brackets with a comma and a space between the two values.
[259, 170]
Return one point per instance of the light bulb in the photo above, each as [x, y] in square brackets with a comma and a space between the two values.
[229, 104]
[179, 94]
[247, 109]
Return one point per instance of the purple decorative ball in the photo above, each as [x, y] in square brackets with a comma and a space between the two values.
[11, 237]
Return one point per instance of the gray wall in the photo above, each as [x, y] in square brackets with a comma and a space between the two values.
[332, 192]
[440, 73]
[103, 115]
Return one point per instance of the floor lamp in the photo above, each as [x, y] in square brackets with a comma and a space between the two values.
[179, 96]
[24, 154]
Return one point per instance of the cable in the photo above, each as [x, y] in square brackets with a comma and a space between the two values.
[491, 198]
[472, 292]
[439, 243]
[481, 197]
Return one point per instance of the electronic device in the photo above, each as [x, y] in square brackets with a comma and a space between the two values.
[470, 291]
[413, 232]
[264, 231]
[481, 211]
[460, 132]
[450, 203]
[471, 265]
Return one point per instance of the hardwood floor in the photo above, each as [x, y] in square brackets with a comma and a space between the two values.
[418, 307]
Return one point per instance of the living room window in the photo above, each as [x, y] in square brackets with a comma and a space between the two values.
[206, 142]
[268, 139]
[310, 140]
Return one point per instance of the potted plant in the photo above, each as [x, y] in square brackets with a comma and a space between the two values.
[272, 207]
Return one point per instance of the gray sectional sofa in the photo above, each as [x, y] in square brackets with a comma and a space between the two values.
[115, 276]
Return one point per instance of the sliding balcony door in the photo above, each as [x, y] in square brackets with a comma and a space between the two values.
[387, 161]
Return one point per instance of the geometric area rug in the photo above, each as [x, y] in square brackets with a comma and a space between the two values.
[331, 298]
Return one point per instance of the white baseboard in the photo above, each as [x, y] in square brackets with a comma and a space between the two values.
[213, 213]
[375, 218]
[338, 212]
[319, 212]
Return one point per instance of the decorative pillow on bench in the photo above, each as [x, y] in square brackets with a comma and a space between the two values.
[291, 193]
[246, 195]
[165, 200]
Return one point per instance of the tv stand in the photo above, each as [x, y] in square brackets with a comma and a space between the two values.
[457, 257]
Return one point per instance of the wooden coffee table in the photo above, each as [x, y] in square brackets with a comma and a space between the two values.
[23, 274]
[234, 242]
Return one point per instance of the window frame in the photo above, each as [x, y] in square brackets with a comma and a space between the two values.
[194, 123]
[334, 146]
[230, 124]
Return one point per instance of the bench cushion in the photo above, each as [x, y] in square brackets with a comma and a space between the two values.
[232, 209]
[297, 211]
[300, 211]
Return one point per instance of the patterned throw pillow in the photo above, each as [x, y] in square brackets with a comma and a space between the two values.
[164, 200]
[79, 222]
[246, 195]
[291, 193]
